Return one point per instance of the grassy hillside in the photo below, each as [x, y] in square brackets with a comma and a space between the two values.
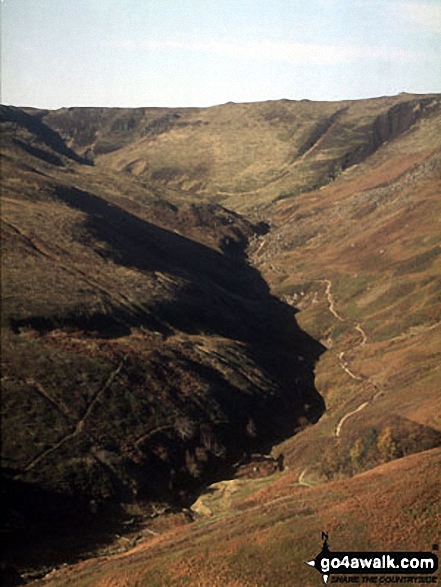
[367, 252]
[183, 288]
[267, 538]
[247, 155]
[138, 361]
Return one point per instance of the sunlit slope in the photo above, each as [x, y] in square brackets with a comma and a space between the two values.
[130, 273]
[366, 256]
[266, 539]
[245, 155]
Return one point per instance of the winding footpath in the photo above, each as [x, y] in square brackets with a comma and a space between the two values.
[330, 298]
[348, 415]
[302, 481]
[344, 365]
[343, 362]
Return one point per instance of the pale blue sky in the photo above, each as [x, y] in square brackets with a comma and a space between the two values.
[202, 52]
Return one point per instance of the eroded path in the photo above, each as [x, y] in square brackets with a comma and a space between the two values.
[341, 356]
[78, 426]
[342, 359]
[330, 298]
[348, 415]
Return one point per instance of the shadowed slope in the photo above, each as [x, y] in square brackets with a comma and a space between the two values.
[148, 353]
[272, 534]
[137, 363]
[32, 130]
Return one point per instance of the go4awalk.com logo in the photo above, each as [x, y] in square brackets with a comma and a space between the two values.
[375, 567]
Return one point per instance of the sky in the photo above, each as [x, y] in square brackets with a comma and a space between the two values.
[60, 53]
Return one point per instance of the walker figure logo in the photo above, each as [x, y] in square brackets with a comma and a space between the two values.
[364, 564]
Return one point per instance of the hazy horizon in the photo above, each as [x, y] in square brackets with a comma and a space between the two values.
[178, 106]
[199, 53]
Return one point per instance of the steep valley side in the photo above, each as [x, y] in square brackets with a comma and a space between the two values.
[367, 286]
[139, 363]
[153, 338]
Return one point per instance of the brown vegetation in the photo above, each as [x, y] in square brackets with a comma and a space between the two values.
[150, 334]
